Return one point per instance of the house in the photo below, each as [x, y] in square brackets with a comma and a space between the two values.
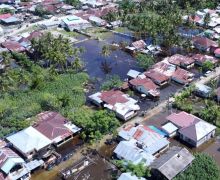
[198, 133]
[30, 143]
[12, 166]
[200, 59]
[138, 45]
[202, 90]
[182, 76]
[128, 151]
[182, 119]
[73, 22]
[124, 106]
[181, 61]
[55, 127]
[97, 21]
[203, 43]
[157, 77]
[129, 176]
[165, 68]
[145, 86]
[10, 21]
[172, 163]
[133, 74]
[13, 46]
[170, 129]
[192, 129]
[146, 138]
[217, 53]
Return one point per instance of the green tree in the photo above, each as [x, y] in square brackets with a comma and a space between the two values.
[207, 65]
[111, 82]
[203, 167]
[145, 61]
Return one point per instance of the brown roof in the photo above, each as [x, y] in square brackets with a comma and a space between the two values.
[182, 119]
[178, 59]
[202, 58]
[205, 42]
[13, 46]
[146, 82]
[156, 76]
[113, 96]
[139, 44]
[51, 124]
[6, 153]
[183, 75]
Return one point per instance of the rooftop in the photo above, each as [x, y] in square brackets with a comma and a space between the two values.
[179, 60]
[28, 140]
[156, 76]
[173, 162]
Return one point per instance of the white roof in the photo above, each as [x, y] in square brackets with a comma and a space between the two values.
[130, 152]
[96, 97]
[72, 20]
[132, 73]
[203, 128]
[28, 140]
[129, 176]
[169, 127]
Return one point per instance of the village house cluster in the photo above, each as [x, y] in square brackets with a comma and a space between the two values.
[35, 147]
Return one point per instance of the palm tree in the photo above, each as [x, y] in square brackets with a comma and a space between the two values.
[77, 64]
[106, 51]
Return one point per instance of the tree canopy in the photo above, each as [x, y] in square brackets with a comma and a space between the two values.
[203, 167]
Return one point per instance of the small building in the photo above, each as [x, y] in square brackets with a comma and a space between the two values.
[198, 133]
[181, 61]
[157, 77]
[145, 86]
[128, 151]
[12, 166]
[182, 76]
[97, 21]
[192, 129]
[10, 21]
[138, 45]
[55, 127]
[13, 46]
[30, 143]
[73, 22]
[129, 176]
[170, 129]
[200, 59]
[203, 43]
[202, 90]
[172, 163]
[133, 74]
[124, 106]
[147, 139]
[217, 53]
[164, 67]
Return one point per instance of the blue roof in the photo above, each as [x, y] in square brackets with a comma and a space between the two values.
[158, 131]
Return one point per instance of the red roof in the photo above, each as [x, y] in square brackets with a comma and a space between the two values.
[156, 76]
[113, 96]
[205, 42]
[195, 18]
[182, 119]
[6, 153]
[51, 124]
[217, 51]
[178, 59]
[139, 44]
[202, 58]
[5, 16]
[146, 82]
[13, 46]
[183, 75]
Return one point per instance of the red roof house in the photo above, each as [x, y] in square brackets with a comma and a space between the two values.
[5, 16]
[180, 60]
[182, 76]
[157, 77]
[13, 46]
[55, 127]
[145, 86]
[200, 59]
[203, 43]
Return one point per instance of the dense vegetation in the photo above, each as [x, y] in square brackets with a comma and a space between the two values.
[139, 170]
[145, 61]
[158, 19]
[203, 167]
[112, 82]
[45, 82]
